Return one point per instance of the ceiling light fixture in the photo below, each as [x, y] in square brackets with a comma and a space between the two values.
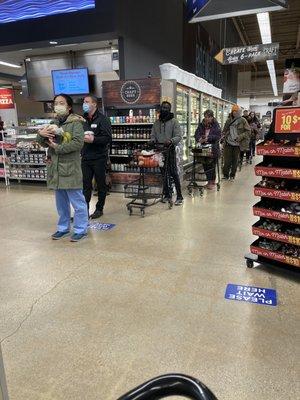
[263, 20]
[6, 64]
[53, 42]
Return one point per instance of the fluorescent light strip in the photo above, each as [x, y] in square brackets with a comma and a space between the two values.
[271, 68]
[263, 20]
[10, 65]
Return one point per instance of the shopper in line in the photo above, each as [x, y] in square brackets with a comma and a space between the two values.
[255, 126]
[237, 138]
[246, 114]
[209, 132]
[95, 151]
[167, 131]
[65, 141]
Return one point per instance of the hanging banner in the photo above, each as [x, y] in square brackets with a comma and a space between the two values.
[207, 10]
[6, 99]
[248, 54]
[291, 80]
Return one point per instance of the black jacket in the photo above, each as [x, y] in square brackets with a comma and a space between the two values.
[101, 127]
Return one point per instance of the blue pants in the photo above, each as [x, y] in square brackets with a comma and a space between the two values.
[63, 200]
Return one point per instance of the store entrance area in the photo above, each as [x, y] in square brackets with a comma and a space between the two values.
[94, 319]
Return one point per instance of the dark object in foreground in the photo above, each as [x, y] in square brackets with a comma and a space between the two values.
[170, 385]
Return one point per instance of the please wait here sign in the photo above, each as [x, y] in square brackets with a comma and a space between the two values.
[251, 294]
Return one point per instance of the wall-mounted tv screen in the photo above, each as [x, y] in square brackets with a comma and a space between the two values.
[70, 81]
[15, 10]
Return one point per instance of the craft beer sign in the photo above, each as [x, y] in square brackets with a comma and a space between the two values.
[6, 99]
[130, 92]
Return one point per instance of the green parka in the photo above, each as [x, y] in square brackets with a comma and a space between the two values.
[64, 162]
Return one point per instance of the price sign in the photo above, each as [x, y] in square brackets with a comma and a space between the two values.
[287, 120]
[292, 261]
[294, 240]
[295, 219]
[295, 197]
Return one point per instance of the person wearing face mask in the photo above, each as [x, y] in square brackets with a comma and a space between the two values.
[236, 136]
[209, 132]
[167, 131]
[65, 140]
[95, 152]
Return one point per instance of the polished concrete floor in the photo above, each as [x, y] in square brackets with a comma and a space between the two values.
[91, 320]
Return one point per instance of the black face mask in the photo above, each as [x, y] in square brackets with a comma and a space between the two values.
[164, 113]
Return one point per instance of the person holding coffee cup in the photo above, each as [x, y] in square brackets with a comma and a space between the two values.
[97, 139]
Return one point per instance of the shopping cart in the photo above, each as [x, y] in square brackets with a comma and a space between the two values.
[202, 156]
[148, 189]
[170, 385]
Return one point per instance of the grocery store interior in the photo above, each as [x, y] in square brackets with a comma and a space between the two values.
[151, 294]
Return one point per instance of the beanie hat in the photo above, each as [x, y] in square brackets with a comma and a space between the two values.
[235, 107]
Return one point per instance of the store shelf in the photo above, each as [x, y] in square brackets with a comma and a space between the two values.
[30, 163]
[274, 255]
[130, 140]
[27, 150]
[133, 124]
[278, 236]
[278, 150]
[277, 172]
[28, 179]
[276, 215]
[276, 194]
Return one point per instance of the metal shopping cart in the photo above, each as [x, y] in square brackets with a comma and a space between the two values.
[170, 385]
[154, 176]
[203, 163]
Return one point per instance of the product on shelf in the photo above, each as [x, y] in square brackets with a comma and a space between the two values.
[135, 119]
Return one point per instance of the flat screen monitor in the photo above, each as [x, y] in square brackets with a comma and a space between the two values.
[16, 10]
[70, 81]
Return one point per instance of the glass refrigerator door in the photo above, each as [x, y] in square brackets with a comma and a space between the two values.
[227, 109]
[182, 102]
[205, 104]
[220, 113]
[195, 116]
[214, 107]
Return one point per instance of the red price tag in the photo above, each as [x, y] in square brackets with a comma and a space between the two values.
[287, 120]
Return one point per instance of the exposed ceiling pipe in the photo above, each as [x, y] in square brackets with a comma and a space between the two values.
[242, 36]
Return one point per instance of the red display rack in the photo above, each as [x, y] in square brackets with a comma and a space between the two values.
[277, 194]
[285, 148]
[277, 150]
[274, 172]
[278, 236]
[274, 255]
[262, 212]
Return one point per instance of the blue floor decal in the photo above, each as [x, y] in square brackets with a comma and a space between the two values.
[251, 294]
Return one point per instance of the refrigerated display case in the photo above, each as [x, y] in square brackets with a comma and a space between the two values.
[214, 106]
[194, 117]
[220, 116]
[205, 103]
[226, 111]
[182, 115]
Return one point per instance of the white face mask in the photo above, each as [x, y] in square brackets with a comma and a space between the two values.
[60, 110]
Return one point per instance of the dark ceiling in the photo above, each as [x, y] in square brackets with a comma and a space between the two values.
[285, 29]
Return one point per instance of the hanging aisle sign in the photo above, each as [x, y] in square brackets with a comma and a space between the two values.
[6, 99]
[248, 54]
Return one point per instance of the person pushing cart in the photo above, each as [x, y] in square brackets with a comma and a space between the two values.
[166, 131]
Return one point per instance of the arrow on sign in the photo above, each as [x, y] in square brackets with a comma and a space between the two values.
[248, 54]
